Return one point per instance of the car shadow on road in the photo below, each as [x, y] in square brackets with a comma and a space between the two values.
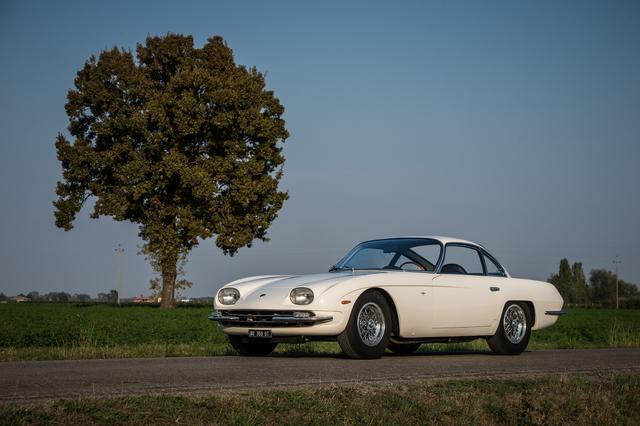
[438, 353]
[387, 354]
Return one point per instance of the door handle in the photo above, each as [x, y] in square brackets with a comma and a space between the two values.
[494, 288]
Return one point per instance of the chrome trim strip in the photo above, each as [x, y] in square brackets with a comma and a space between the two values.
[556, 313]
[274, 319]
[302, 320]
[223, 318]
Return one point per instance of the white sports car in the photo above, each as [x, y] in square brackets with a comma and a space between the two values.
[395, 294]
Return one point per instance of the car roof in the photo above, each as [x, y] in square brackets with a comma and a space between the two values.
[442, 239]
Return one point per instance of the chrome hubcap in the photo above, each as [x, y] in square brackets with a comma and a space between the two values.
[514, 324]
[371, 324]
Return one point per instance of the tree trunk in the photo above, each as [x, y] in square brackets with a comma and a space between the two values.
[169, 273]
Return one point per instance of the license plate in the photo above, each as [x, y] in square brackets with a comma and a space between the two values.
[260, 334]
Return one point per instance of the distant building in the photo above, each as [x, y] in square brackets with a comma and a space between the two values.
[144, 299]
[21, 298]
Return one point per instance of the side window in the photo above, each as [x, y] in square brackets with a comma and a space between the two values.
[407, 264]
[401, 259]
[429, 252]
[370, 258]
[492, 269]
[462, 260]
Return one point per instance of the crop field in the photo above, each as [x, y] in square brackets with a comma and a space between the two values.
[42, 331]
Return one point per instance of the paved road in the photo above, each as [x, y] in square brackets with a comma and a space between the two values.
[32, 381]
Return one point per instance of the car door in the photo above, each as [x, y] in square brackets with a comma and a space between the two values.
[465, 297]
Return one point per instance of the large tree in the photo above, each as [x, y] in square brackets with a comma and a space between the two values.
[179, 140]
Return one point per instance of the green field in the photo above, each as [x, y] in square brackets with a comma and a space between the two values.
[65, 331]
[556, 400]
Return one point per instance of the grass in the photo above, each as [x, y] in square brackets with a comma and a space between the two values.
[591, 328]
[43, 331]
[555, 400]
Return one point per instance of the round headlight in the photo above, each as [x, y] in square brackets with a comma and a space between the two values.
[228, 296]
[301, 296]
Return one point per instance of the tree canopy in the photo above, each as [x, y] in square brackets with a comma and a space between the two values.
[579, 284]
[179, 140]
[603, 287]
[563, 281]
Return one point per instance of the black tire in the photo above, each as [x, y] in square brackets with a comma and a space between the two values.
[371, 304]
[500, 342]
[403, 349]
[251, 348]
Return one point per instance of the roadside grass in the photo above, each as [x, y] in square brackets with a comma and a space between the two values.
[554, 400]
[43, 331]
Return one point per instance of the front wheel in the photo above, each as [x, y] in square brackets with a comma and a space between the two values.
[514, 331]
[251, 348]
[369, 327]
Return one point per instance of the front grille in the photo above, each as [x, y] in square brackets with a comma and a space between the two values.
[267, 318]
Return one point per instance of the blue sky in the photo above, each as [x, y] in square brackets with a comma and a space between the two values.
[514, 125]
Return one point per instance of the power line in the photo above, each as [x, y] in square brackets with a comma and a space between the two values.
[119, 252]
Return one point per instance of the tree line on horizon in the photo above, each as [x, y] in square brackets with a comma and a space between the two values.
[64, 297]
[599, 290]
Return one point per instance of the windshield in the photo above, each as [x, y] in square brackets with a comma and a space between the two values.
[407, 254]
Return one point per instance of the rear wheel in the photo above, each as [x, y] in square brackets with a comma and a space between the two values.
[405, 348]
[251, 348]
[369, 327]
[514, 331]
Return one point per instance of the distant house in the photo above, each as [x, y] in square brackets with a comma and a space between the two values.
[144, 299]
[21, 298]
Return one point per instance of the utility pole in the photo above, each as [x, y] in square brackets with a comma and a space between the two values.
[616, 262]
[119, 252]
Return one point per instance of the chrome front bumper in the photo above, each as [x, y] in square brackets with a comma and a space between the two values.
[268, 318]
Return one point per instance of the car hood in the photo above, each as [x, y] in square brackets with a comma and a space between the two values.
[262, 290]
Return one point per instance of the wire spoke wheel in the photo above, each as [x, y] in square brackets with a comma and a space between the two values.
[514, 323]
[371, 324]
[367, 333]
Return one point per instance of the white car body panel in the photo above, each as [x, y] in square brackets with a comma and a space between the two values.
[427, 304]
